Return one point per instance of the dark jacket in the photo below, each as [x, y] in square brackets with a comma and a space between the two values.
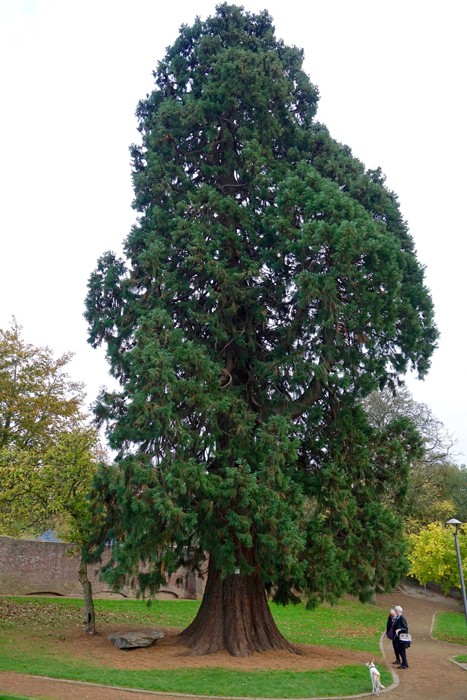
[389, 628]
[401, 624]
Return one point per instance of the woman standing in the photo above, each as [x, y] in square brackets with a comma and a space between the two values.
[390, 634]
[400, 648]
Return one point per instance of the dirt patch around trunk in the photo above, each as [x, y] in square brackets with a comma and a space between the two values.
[169, 653]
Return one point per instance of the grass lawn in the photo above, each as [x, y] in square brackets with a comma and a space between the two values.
[349, 625]
[450, 627]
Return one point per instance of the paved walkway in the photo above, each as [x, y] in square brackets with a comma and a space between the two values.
[431, 676]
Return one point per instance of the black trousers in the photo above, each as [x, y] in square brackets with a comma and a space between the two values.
[401, 651]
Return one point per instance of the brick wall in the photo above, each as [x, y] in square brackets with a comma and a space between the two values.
[31, 566]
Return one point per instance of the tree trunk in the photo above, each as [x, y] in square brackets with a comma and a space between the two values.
[234, 615]
[89, 613]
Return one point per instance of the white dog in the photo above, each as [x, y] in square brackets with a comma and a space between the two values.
[375, 677]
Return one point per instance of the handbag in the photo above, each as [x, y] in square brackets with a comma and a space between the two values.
[405, 638]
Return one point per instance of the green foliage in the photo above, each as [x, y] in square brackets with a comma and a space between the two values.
[456, 483]
[437, 492]
[432, 556]
[37, 398]
[269, 285]
[47, 452]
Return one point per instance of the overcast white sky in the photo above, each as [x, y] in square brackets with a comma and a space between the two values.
[391, 75]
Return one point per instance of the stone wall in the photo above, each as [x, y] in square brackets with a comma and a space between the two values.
[31, 566]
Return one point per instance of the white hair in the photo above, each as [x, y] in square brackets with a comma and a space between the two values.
[398, 609]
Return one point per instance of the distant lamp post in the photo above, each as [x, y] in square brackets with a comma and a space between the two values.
[454, 526]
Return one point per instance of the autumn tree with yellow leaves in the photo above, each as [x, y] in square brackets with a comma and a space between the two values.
[432, 556]
[48, 451]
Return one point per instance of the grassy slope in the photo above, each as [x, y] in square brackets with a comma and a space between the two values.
[451, 627]
[348, 626]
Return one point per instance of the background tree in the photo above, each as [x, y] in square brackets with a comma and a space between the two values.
[456, 480]
[37, 397]
[390, 404]
[437, 487]
[437, 491]
[269, 285]
[433, 557]
[48, 454]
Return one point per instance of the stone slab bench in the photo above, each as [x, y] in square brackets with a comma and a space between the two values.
[136, 639]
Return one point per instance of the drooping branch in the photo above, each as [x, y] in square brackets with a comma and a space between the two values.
[296, 407]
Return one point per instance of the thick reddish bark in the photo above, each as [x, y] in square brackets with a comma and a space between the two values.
[234, 615]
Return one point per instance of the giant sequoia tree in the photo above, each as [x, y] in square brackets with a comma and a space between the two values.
[269, 285]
